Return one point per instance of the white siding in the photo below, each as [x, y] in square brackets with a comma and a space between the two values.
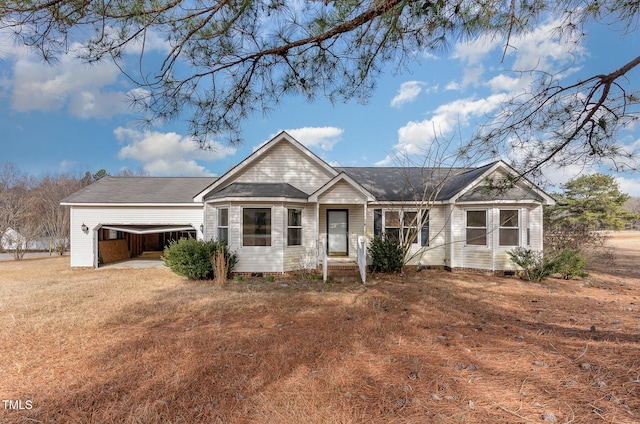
[356, 225]
[84, 246]
[304, 256]
[275, 258]
[494, 257]
[342, 193]
[535, 226]
[210, 218]
[286, 164]
[434, 254]
[257, 258]
[477, 257]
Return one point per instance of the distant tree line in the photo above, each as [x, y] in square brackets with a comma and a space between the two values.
[31, 216]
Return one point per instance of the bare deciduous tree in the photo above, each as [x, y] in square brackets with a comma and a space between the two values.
[19, 208]
[55, 218]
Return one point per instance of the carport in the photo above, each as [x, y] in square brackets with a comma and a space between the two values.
[127, 216]
[120, 242]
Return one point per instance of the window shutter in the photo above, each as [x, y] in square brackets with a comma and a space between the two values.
[377, 222]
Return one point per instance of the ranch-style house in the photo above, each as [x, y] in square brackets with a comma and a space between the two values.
[283, 208]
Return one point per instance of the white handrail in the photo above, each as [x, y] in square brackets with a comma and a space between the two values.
[324, 261]
[362, 258]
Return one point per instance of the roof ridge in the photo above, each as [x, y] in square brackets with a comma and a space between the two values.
[408, 167]
[154, 176]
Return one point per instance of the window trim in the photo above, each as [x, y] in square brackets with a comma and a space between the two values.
[398, 227]
[242, 209]
[292, 227]
[485, 228]
[516, 228]
[401, 228]
[219, 226]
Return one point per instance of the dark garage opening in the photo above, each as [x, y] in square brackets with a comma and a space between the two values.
[122, 242]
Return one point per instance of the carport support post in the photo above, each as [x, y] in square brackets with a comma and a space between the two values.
[95, 246]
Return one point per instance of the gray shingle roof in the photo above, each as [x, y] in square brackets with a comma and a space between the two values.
[413, 183]
[385, 183]
[141, 190]
[259, 190]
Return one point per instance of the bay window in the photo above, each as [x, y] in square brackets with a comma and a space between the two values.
[256, 227]
[223, 225]
[294, 227]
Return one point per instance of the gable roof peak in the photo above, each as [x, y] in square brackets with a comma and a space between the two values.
[261, 151]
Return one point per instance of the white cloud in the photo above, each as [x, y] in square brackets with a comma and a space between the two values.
[453, 86]
[67, 164]
[472, 75]
[416, 136]
[81, 88]
[407, 92]
[476, 51]
[84, 90]
[538, 49]
[630, 186]
[168, 153]
[504, 83]
[152, 41]
[541, 49]
[321, 137]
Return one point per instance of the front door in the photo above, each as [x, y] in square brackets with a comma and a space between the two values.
[338, 232]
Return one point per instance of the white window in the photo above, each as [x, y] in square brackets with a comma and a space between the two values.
[392, 224]
[223, 225]
[294, 227]
[509, 227]
[410, 227]
[476, 230]
[406, 226]
[256, 227]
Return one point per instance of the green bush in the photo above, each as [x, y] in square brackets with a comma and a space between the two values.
[386, 254]
[570, 263]
[193, 258]
[535, 266]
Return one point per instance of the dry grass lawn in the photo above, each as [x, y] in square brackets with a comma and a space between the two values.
[146, 346]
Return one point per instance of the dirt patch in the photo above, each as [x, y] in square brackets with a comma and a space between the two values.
[147, 346]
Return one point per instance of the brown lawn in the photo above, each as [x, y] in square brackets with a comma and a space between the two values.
[145, 346]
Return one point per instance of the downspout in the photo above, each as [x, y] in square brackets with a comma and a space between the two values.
[493, 239]
[451, 236]
[204, 221]
[284, 224]
[541, 227]
[364, 235]
[94, 234]
[364, 227]
[317, 228]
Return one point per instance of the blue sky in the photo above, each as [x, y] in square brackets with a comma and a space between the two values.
[73, 117]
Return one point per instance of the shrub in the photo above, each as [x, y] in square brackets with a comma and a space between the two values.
[570, 263]
[386, 254]
[219, 264]
[194, 259]
[535, 266]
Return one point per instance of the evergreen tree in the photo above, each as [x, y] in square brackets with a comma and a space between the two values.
[595, 201]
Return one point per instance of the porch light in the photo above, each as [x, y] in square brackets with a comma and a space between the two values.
[84, 228]
[202, 228]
